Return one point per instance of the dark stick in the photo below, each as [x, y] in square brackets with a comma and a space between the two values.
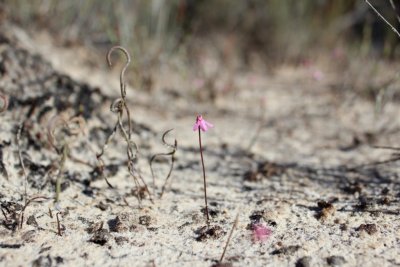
[229, 237]
[58, 225]
[204, 177]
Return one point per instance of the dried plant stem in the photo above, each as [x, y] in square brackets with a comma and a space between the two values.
[27, 202]
[168, 175]
[204, 178]
[395, 10]
[118, 107]
[383, 18]
[21, 161]
[229, 237]
[65, 152]
[174, 147]
[58, 225]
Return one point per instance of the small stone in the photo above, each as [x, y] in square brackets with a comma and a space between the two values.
[370, 228]
[120, 240]
[222, 264]
[325, 210]
[94, 227]
[206, 232]
[59, 260]
[102, 206]
[42, 261]
[116, 225]
[145, 220]
[304, 262]
[100, 237]
[32, 221]
[290, 250]
[335, 260]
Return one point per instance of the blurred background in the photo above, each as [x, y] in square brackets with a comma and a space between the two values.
[238, 35]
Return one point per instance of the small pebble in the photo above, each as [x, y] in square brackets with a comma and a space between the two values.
[335, 260]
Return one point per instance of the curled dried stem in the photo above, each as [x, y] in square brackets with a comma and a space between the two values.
[174, 147]
[122, 74]
[119, 106]
[71, 127]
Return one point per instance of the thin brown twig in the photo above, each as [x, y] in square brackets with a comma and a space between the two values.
[229, 237]
[118, 107]
[58, 225]
[174, 147]
[21, 161]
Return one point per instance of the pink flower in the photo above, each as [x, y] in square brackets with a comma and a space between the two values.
[317, 75]
[261, 232]
[202, 124]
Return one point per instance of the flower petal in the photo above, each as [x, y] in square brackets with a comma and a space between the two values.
[210, 125]
[203, 126]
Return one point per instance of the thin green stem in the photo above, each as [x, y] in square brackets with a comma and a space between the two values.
[204, 177]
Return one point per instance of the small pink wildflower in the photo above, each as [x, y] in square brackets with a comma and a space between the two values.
[317, 75]
[202, 124]
[261, 232]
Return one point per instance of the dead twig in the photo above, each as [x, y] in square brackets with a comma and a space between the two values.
[58, 225]
[174, 147]
[119, 106]
[229, 237]
[29, 201]
[21, 161]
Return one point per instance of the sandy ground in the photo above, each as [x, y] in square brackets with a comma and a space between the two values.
[287, 151]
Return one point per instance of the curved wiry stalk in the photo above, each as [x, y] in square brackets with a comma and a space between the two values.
[174, 147]
[118, 107]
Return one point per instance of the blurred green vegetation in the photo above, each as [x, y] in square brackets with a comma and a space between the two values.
[280, 30]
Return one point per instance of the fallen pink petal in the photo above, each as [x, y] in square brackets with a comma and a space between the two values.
[202, 124]
[261, 233]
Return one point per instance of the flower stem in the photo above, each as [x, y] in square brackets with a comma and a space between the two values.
[204, 177]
